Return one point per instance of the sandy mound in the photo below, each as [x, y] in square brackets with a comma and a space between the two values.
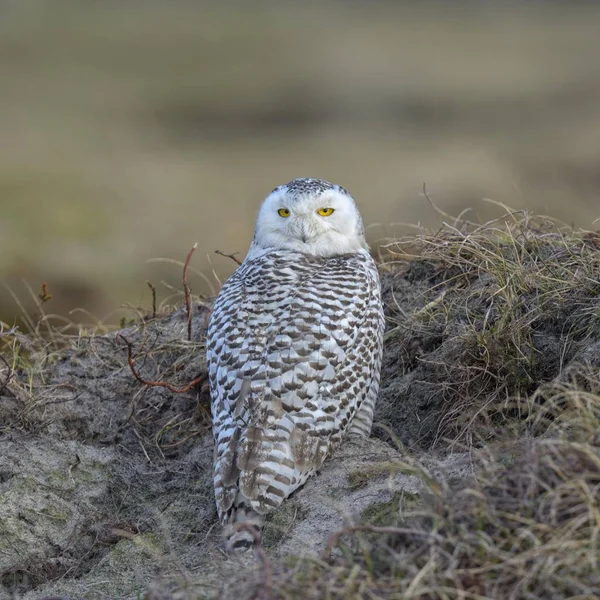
[105, 482]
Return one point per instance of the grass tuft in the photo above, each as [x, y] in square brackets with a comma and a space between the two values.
[482, 316]
[527, 526]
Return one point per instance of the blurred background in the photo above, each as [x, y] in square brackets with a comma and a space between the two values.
[131, 130]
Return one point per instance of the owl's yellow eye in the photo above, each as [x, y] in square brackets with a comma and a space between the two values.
[284, 212]
[325, 212]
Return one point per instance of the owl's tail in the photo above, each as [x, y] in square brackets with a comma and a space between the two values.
[242, 527]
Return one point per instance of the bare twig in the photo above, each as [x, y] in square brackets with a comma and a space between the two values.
[186, 291]
[153, 290]
[165, 384]
[231, 256]
[8, 377]
[441, 212]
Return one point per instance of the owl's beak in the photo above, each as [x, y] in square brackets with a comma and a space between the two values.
[304, 234]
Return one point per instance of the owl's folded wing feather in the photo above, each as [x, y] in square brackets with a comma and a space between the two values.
[292, 367]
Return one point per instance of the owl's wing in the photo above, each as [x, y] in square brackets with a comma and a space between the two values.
[292, 356]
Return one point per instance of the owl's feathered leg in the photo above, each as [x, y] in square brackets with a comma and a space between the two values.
[242, 526]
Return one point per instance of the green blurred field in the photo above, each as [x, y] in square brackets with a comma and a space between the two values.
[131, 130]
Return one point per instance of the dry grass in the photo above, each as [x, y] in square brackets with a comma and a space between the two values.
[529, 529]
[147, 351]
[496, 310]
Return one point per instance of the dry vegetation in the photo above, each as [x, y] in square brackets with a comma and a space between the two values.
[526, 527]
[492, 349]
[483, 315]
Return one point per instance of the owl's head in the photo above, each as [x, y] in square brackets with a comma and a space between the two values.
[311, 216]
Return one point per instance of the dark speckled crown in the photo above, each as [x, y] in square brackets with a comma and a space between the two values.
[308, 185]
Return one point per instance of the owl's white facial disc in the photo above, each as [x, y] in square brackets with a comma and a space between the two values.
[289, 219]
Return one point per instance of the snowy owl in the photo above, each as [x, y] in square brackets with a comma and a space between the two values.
[294, 351]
